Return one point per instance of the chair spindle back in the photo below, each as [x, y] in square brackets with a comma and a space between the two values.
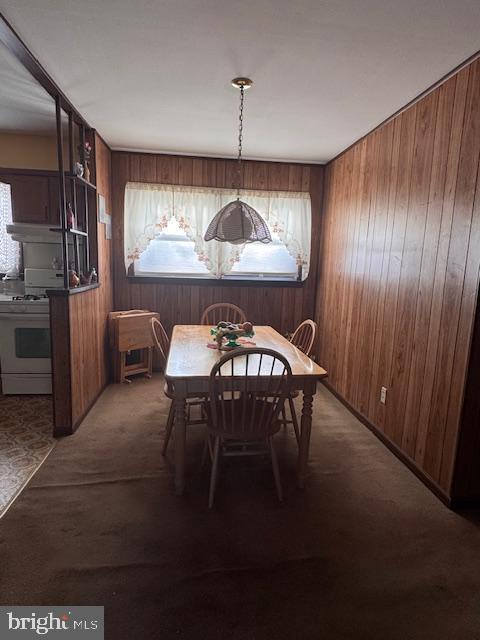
[248, 388]
[160, 340]
[223, 311]
[304, 336]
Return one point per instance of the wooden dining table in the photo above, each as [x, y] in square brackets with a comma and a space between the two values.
[188, 368]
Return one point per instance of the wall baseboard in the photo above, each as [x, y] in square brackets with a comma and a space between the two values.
[395, 449]
[59, 431]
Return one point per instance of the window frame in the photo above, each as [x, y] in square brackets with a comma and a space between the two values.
[217, 282]
[229, 280]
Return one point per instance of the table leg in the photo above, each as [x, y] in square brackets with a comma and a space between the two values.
[305, 431]
[180, 440]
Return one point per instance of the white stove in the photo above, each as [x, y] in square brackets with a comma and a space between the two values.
[25, 303]
[25, 358]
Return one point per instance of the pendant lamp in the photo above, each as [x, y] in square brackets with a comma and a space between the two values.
[237, 222]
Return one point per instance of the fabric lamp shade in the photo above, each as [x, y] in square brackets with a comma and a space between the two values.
[238, 223]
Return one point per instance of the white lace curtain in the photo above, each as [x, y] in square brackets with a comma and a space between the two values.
[8, 248]
[149, 207]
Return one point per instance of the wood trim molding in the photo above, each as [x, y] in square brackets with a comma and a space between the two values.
[62, 430]
[71, 292]
[210, 282]
[61, 367]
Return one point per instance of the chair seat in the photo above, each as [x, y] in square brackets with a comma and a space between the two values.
[225, 429]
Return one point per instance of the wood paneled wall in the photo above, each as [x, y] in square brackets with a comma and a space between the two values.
[282, 307]
[79, 326]
[399, 272]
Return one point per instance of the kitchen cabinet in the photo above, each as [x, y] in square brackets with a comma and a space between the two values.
[35, 198]
[54, 201]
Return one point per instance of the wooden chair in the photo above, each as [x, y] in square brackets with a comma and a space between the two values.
[162, 345]
[303, 338]
[243, 413]
[223, 311]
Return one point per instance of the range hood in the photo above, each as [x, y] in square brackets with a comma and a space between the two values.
[24, 232]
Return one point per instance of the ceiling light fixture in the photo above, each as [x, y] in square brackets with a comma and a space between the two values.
[237, 222]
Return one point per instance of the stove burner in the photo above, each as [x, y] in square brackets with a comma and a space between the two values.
[28, 296]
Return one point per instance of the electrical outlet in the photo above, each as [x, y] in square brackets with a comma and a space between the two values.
[383, 395]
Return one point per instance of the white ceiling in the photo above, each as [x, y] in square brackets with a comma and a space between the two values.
[155, 74]
[25, 106]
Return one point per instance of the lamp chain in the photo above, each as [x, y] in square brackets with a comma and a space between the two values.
[240, 140]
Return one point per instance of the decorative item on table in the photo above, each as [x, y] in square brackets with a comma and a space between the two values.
[226, 334]
[73, 279]
[78, 169]
[70, 217]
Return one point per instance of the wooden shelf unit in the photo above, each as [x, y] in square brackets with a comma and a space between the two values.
[76, 232]
[81, 194]
[81, 181]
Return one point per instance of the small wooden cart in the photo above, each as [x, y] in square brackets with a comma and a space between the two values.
[130, 331]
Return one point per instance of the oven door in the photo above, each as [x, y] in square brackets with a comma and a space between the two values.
[25, 343]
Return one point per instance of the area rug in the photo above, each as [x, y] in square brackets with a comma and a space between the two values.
[25, 441]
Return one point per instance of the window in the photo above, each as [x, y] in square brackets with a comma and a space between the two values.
[170, 252]
[8, 247]
[165, 225]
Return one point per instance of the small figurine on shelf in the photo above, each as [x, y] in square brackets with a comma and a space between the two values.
[73, 279]
[86, 279]
[78, 169]
[70, 217]
[85, 152]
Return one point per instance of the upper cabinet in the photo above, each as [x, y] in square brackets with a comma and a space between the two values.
[35, 198]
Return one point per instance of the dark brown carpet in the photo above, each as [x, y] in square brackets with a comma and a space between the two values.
[365, 552]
